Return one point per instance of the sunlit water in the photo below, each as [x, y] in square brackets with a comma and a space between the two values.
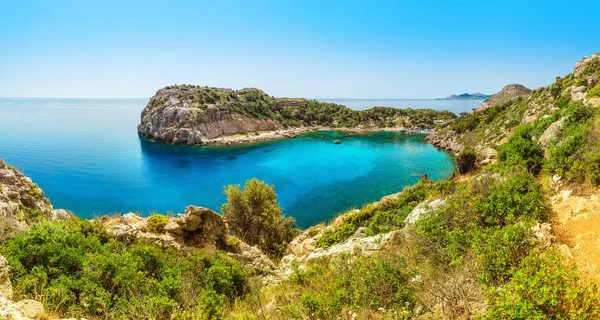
[86, 155]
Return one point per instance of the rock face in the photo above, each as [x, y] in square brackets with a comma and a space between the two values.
[581, 65]
[194, 115]
[447, 142]
[578, 93]
[551, 133]
[22, 202]
[197, 228]
[507, 93]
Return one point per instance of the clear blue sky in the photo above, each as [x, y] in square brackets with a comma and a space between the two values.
[323, 49]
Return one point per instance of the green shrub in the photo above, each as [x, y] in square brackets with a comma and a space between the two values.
[75, 269]
[521, 150]
[544, 287]
[369, 282]
[254, 216]
[593, 92]
[516, 197]
[466, 161]
[499, 250]
[382, 218]
[157, 222]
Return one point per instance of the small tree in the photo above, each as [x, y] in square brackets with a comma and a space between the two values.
[254, 216]
[466, 161]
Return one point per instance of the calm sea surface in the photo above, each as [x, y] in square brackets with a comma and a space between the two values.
[86, 155]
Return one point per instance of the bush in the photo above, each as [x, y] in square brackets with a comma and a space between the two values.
[157, 222]
[369, 282]
[593, 92]
[521, 150]
[384, 217]
[466, 161]
[75, 269]
[499, 251]
[518, 197]
[254, 216]
[545, 287]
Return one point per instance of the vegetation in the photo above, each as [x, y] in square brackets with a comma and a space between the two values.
[466, 161]
[76, 269]
[254, 216]
[301, 112]
[157, 222]
[521, 150]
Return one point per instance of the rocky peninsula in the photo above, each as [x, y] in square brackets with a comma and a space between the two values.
[194, 115]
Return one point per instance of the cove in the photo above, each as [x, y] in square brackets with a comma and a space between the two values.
[92, 170]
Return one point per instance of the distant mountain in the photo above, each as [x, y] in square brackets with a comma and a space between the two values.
[467, 96]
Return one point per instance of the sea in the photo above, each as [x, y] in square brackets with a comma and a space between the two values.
[87, 157]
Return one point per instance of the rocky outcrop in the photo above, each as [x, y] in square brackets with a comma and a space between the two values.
[195, 115]
[197, 228]
[581, 65]
[508, 93]
[422, 209]
[578, 93]
[302, 250]
[252, 258]
[447, 142]
[22, 202]
[551, 133]
[487, 155]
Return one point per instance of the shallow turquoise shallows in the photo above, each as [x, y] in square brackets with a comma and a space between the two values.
[86, 155]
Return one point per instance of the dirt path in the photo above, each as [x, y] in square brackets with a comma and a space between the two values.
[578, 222]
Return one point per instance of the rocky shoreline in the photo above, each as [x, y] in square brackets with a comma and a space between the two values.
[262, 136]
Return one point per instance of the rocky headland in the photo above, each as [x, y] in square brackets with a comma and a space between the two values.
[194, 115]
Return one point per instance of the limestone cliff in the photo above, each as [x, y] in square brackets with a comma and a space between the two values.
[22, 202]
[195, 115]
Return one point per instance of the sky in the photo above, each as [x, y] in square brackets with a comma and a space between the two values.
[313, 49]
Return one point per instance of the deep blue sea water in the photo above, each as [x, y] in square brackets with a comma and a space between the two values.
[86, 155]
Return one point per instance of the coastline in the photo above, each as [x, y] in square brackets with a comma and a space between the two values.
[260, 136]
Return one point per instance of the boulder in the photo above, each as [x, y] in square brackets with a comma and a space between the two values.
[31, 308]
[578, 93]
[197, 228]
[423, 208]
[551, 133]
[487, 155]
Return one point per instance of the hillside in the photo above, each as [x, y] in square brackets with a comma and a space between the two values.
[511, 236]
[194, 115]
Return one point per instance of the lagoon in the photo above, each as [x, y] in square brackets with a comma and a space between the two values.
[85, 154]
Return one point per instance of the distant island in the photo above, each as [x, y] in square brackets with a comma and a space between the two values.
[467, 96]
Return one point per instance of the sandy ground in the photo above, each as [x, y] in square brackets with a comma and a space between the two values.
[290, 133]
[578, 224]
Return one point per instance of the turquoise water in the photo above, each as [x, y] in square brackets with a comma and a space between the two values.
[85, 154]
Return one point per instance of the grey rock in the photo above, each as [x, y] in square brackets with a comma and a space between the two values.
[31, 308]
[578, 93]
[551, 133]
[583, 63]
[422, 209]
